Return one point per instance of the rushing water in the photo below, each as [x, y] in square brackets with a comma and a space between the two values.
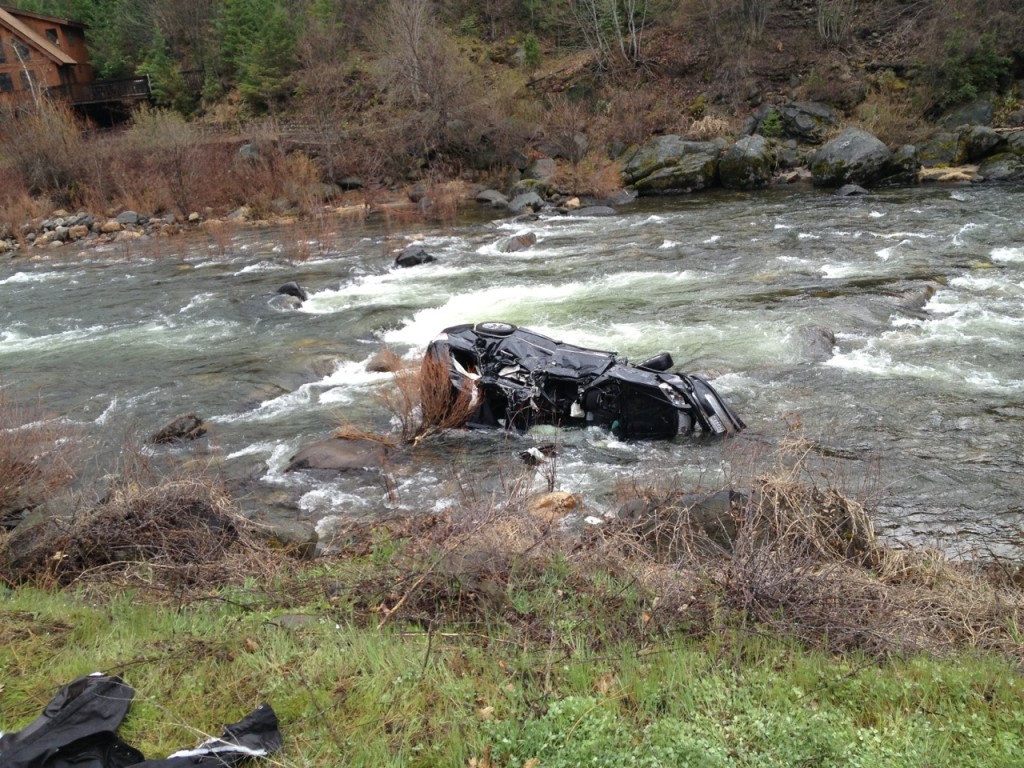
[920, 403]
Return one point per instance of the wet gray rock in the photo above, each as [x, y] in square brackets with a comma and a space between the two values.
[340, 455]
[853, 157]
[979, 142]
[180, 429]
[941, 149]
[902, 168]
[672, 165]
[592, 211]
[517, 243]
[747, 164]
[294, 537]
[526, 202]
[292, 288]
[851, 190]
[413, 256]
[1007, 166]
[806, 121]
[817, 342]
[491, 197]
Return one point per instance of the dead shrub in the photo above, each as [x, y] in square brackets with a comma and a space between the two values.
[425, 402]
[172, 147]
[707, 128]
[36, 458]
[17, 207]
[44, 143]
[797, 554]
[177, 531]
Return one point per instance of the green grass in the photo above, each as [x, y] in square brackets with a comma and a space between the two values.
[489, 694]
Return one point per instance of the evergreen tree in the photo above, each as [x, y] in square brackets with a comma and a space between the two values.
[258, 49]
[167, 84]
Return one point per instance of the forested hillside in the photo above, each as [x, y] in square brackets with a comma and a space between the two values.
[394, 89]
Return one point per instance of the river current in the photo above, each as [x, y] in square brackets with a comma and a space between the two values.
[919, 403]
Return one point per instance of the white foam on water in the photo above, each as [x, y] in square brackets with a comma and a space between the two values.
[29, 277]
[885, 253]
[262, 266]
[513, 304]
[1008, 255]
[667, 244]
[807, 236]
[876, 214]
[15, 342]
[327, 500]
[984, 283]
[838, 271]
[904, 236]
[712, 239]
[197, 301]
[876, 362]
[343, 385]
[958, 237]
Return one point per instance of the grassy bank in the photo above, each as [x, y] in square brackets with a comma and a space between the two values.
[486, 693]
[767, 627]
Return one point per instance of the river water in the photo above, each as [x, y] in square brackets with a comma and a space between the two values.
[919, 404]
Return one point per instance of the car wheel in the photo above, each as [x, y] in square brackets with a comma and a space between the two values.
[494, 329]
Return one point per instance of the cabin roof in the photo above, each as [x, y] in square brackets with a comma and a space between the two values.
[10, 20]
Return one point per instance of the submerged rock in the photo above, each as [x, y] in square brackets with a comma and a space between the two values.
[340, 455]
[187, 427]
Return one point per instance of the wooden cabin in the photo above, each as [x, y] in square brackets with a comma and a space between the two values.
[45, 54]
[40, 52]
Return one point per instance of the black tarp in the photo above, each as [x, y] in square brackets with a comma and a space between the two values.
[78, 729]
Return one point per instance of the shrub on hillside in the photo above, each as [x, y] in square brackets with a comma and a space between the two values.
[44, 143]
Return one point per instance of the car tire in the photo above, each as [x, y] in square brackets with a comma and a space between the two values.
[494, 329]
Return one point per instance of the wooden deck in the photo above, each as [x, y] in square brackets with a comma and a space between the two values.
[105, 91]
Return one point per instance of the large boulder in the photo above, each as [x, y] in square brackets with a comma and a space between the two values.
[903, 167]
[413, 255]
[526, 202]
[978, 112]
[1007, 166]
[853, 157]
[1015, 142]
[979, 142]
[942, 149]
[806, 121]
[340, 455]
[747, 164]
[671, 165]
[491, 197]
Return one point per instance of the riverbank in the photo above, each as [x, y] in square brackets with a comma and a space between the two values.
[492, 639]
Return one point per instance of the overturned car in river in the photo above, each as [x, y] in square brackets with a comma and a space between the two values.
[515, 378]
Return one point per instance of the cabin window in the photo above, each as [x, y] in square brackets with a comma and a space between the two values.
[51, 35]
[28, 79]
[22, 51]
[6, 84]
[3, 52]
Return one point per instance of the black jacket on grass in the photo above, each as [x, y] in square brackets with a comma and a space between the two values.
[78, 729]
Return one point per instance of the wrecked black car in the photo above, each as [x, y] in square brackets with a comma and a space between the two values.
[518, 378]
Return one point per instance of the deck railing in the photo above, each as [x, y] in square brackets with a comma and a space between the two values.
[128, 89]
